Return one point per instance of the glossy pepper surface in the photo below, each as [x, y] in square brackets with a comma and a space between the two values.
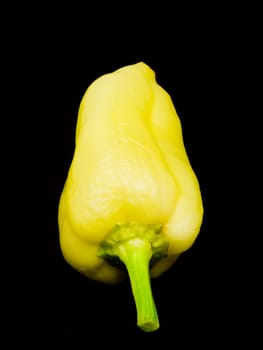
[131, 198]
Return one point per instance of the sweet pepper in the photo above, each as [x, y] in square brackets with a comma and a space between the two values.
[131, 203]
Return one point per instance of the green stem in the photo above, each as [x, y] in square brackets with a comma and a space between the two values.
[137, 246]
[136, 255]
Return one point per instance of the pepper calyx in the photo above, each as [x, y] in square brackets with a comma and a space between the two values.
[137, 247]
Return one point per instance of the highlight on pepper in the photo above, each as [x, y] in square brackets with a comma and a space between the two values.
[131, 203]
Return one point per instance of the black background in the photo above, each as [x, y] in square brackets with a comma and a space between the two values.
[63, 309]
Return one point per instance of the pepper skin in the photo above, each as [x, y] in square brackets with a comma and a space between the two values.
[131, 198]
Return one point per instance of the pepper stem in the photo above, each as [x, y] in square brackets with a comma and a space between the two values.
[136, 255]
[137, 246]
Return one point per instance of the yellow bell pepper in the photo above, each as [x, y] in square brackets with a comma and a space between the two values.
[131, 203]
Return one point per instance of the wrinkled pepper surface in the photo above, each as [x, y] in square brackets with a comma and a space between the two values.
[131, 203]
